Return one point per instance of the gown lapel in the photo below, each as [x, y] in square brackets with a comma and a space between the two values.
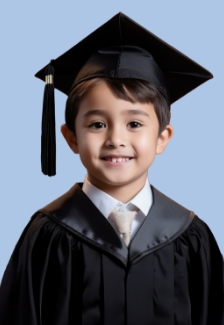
[75, 212]
[165, 221]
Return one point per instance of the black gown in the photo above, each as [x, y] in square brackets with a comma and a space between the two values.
[71, 267]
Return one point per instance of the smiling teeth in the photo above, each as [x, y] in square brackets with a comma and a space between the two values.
[117, 159]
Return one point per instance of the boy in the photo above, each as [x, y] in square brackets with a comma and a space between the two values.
[114, 250]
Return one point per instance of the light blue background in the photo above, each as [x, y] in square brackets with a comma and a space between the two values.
[33, 32]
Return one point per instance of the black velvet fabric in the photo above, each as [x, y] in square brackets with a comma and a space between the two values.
[57, 276]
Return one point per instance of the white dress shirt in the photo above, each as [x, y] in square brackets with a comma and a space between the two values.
[106, 203]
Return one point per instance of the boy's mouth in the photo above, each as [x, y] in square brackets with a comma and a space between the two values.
[119, 159]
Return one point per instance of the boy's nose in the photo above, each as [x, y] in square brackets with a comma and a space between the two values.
[115, 138]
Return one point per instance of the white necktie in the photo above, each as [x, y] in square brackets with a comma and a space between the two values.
[123, 221]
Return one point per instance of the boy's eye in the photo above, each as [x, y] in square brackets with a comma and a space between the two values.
[134, 124]
[100, 125]
[97, 125]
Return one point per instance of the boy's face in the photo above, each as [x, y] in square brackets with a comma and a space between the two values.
[117, 140]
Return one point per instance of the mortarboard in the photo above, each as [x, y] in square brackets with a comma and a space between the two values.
[119, 49]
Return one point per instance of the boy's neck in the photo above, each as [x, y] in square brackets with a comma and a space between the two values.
[122, 193]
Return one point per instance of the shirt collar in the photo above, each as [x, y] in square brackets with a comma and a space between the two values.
[106, 203]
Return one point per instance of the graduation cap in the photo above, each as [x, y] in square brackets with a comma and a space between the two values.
[119, 49]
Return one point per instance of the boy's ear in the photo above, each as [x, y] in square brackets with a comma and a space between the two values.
[70, 138]
[164, 139]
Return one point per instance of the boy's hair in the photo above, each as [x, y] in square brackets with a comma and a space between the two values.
[132, 90]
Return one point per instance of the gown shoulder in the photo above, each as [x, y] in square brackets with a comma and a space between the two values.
[39, 275]
[206, 272]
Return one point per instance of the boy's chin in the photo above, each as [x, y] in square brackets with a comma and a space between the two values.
[115, 181]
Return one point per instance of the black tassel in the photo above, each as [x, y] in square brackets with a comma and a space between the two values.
[48, 138]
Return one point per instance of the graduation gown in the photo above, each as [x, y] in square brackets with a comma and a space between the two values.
[71, 267]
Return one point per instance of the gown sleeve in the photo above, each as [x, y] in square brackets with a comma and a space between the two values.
[206, 276]
[38, 286]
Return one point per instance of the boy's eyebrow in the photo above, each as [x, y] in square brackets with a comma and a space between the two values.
[104, 113]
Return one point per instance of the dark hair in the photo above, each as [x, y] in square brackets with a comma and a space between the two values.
[132, 90]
